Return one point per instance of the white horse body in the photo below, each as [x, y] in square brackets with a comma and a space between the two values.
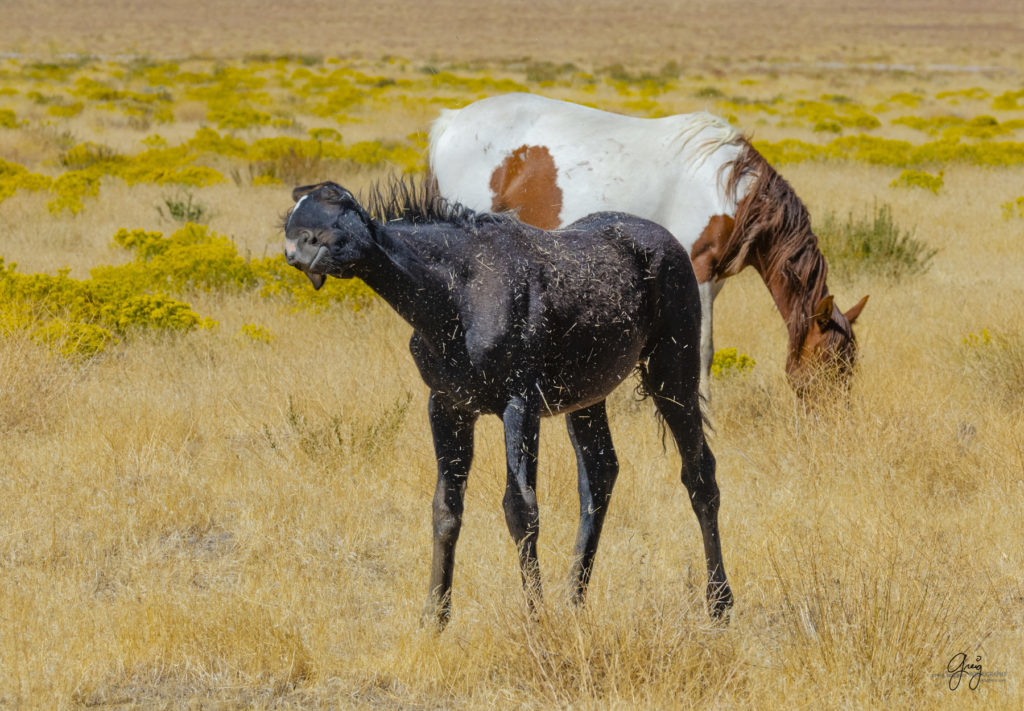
[669, 170]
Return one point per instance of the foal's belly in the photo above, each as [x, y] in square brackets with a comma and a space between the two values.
[561, 379]
[576, 381]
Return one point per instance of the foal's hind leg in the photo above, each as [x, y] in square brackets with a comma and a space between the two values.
[453, 445]
[597, 467]
[672, 380]
[522, 432]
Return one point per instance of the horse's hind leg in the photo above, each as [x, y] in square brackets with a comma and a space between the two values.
[597, 467]
[522, 432]
[671, 378]
[453, 445]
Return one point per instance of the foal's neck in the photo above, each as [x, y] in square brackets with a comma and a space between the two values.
[401, 272]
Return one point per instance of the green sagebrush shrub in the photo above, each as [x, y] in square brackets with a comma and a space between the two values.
[872, 243]
[184, 208]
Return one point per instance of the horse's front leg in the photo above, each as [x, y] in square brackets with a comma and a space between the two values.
[453, 445]
[708, 290]
[522, 432]
[597, 468]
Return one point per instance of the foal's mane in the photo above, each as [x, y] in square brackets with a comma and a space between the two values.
[418, 200]
[773, 232]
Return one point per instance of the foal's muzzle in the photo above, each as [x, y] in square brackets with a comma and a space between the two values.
[301, 255]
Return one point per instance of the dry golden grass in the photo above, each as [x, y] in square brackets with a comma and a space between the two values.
[210, 521]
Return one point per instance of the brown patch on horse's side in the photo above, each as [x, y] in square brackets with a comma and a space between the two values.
[527, 180]
[706, 253]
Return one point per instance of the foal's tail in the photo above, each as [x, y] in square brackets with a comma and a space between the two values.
[648, 387]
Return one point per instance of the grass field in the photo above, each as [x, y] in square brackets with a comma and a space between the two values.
[215, 489]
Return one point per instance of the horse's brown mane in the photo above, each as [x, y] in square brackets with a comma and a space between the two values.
[772, 233]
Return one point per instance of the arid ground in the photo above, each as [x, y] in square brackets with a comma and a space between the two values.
[215, 487]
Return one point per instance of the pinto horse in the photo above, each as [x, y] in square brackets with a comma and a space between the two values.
[555, 161]
[519, 322]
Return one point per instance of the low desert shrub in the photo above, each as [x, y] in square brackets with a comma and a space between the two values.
[873, 243]
[1013, 208]
[728, 362]
[911, 178]
[184, 208]
[81, 317]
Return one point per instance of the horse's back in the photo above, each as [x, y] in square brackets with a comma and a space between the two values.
[556, 162]
[632, 255]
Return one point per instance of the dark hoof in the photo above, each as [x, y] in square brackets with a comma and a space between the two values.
[435, 617]
[719, 601]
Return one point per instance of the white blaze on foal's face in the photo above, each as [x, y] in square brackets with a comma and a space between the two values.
[290, 245]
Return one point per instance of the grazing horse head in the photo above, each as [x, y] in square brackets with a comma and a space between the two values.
[828, 352]
[773, 234]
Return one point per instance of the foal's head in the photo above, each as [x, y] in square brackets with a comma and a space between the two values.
[829, 350]
[324, 230]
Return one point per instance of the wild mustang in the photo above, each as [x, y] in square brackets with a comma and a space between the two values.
[555, 162]
[518, 322]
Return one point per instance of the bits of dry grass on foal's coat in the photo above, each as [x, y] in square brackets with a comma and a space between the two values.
[518, 322]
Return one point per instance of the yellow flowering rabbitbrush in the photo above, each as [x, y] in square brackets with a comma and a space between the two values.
[910, 178]
[14, 177]
[81, 317]
[728, 361]
[1013, 208]
[256, 332]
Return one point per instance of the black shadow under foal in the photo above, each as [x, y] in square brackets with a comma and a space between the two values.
[522, 323]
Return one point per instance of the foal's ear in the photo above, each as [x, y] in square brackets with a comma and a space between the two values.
[823, 311]
[334, 193]
[853, 313]
[303, 190]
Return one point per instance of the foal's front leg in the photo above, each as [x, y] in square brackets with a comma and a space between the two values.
[522, 431]
[453, 445]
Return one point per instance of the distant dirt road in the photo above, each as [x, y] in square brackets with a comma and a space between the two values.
[700, 34]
